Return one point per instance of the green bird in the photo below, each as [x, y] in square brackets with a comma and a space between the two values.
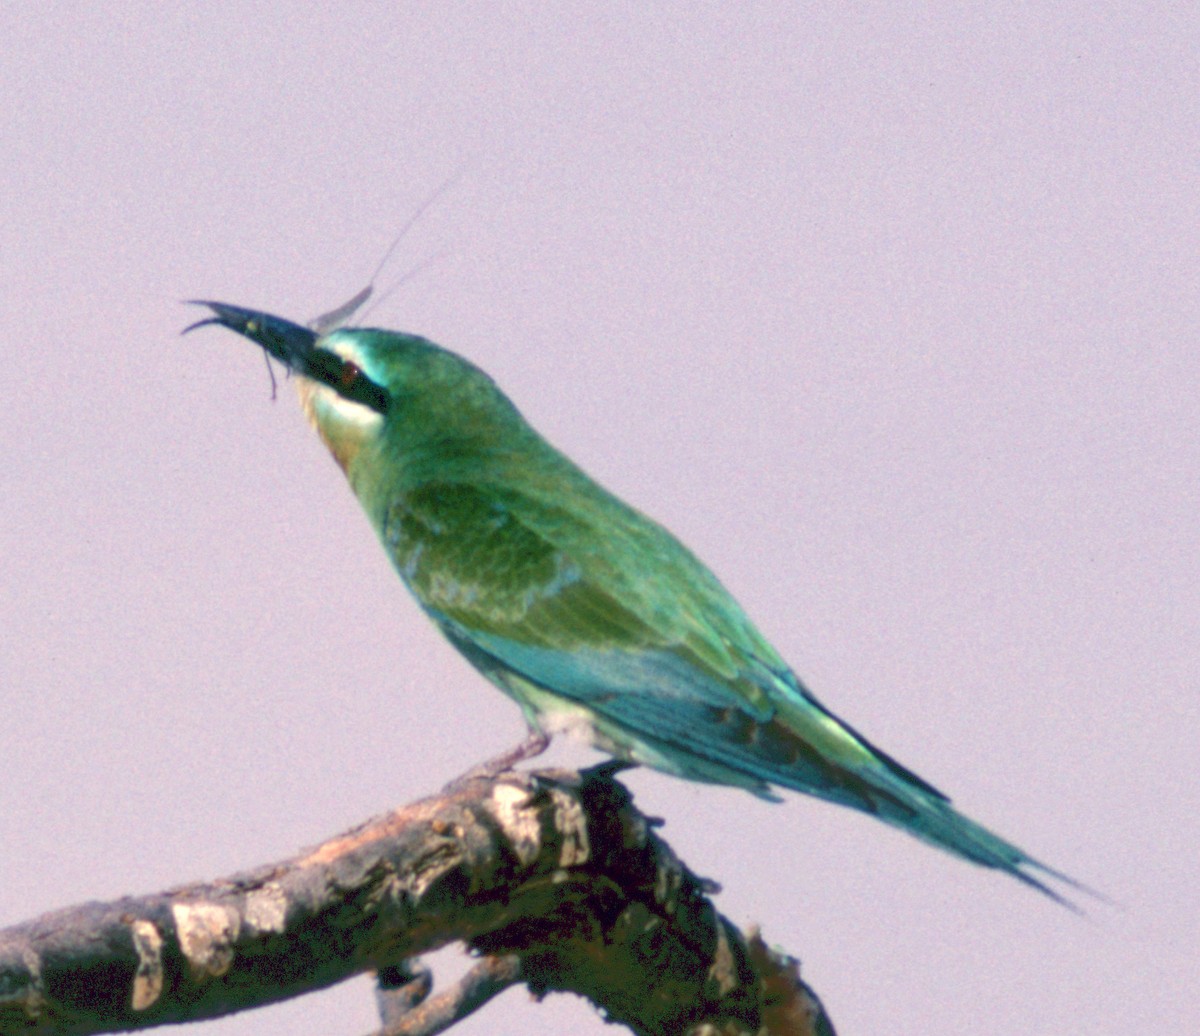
[588, 614]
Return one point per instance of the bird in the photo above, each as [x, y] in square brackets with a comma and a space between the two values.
[591, 616]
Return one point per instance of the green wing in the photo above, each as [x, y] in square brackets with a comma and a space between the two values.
[602, 579]
[603, 609]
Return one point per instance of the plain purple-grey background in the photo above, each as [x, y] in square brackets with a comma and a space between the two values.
[889, 311]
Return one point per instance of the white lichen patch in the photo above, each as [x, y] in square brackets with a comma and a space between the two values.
[148, 979]
[265, 909]
[206, 935]
[571, 824]
[519, 823]
[27, 995]
[722, 974]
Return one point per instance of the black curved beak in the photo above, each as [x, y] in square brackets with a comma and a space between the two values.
[296, 348]
[292, 345]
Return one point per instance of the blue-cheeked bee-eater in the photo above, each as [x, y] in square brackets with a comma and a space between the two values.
[588, 614]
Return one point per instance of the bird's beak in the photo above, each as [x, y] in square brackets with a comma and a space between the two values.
[297, 349]
[292, 345]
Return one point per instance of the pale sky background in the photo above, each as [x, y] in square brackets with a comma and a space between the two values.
[889, 311]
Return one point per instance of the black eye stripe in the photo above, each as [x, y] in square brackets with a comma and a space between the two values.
[347, 379]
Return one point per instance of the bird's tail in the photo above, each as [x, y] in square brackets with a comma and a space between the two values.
[936, 821]
[856, 773]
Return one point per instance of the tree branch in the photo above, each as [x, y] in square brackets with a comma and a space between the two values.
[491, 976]
[555, 878]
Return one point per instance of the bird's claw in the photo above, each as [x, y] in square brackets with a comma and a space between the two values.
[534, 745]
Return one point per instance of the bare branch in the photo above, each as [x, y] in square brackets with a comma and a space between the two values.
[554, 877]
[491, 976]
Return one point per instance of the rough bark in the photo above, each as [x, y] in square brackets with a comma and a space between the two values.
[553, 878]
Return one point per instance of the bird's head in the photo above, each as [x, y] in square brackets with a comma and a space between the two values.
[361, 386]
[342, 386]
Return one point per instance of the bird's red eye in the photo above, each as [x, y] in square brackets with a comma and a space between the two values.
[346, 378]
[350, 373]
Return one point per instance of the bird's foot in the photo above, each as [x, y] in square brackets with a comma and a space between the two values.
[534, 745]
